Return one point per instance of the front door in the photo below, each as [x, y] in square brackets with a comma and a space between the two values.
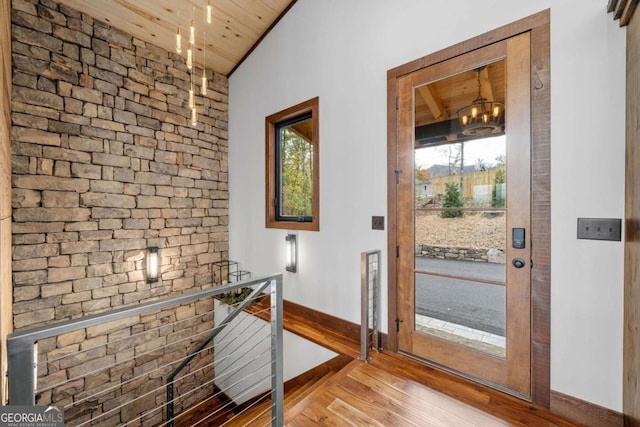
[463, 210]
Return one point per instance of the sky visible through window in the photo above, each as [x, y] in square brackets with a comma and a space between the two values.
[486, 149]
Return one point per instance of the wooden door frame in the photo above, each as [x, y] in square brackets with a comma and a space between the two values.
[538, 25]
[631, 356]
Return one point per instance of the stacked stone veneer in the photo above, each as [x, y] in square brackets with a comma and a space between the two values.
[105, 164]
[463, 254]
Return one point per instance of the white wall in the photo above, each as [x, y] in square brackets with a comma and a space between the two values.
[243, 355]
[340, 50]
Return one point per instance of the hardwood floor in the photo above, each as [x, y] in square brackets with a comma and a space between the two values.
[365, 395]
[391, 390]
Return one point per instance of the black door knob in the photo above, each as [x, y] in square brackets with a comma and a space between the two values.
[518, 263]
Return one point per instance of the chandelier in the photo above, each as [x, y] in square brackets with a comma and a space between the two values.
[481, 116]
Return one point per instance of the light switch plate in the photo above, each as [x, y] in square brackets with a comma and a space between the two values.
[600, 229]
[377, 223]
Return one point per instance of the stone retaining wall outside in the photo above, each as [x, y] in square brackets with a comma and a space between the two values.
[466, 254]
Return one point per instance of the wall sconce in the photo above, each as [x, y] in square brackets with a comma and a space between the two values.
[292, 253]
[153, 264]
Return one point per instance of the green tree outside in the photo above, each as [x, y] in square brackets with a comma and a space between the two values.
[452, 199]
[296, 174]
[497, 200]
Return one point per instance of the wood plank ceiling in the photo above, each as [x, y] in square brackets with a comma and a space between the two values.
[236, 27]
[440, 101]
[239, 25]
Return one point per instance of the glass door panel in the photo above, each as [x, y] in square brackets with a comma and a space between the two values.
[460, 234]
[463, 193]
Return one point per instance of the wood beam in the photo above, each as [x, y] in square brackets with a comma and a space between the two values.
[622, 10]
[446, 131]
[612, 5]
[486, 90]
[619, 9]
[434, 104]
[628, 12]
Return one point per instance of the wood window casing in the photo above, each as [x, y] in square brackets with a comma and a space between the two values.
[272, 218]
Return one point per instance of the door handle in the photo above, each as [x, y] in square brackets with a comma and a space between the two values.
[518, 262]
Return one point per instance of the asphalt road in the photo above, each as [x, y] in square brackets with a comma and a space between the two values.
[476, 305]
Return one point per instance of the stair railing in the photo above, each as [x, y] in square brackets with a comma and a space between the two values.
[207, 341]
[84, 364]
[370, 337]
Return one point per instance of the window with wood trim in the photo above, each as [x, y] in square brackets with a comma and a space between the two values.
[292, 169]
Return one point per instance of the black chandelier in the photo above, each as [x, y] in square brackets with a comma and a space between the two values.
[481, 116]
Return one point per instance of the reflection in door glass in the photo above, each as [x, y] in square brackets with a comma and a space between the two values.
[462, 311]
[476, 242]
[460, 234]
[441, 181]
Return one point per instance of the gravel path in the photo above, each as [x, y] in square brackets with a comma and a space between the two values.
[473, 231]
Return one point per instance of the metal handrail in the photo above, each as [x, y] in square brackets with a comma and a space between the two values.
[21, 345]
[170, 379]
[370, 337]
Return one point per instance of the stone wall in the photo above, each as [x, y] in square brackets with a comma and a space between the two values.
[6, 321]
[458, 253]
[105, 164]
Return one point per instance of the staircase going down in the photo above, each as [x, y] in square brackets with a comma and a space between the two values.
[257, 412]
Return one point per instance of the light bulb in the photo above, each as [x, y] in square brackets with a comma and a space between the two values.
[194, 116]
[496, 111]
[485, 118]
[203, 87]
[191, 103]
[189, 57]
[178, 42]
[465, 120]
[474, 112]
[192, 33]
[209, 12]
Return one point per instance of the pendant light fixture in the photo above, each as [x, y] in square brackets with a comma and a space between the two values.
[204, 83]
[191, 56]
[482, 116]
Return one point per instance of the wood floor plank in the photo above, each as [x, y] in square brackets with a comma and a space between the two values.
[375, 404]
[388, 412]
[395, 391]
[353, 416]
[506, 407]
[376, 401]
[358, 392]
[319, 413]
[423, 403]
[392, 390]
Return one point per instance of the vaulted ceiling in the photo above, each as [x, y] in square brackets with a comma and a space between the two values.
[236, 27]
[239, 25]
